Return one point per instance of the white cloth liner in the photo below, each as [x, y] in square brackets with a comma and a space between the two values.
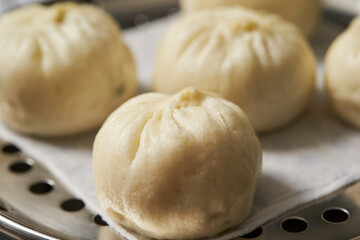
[306, 161]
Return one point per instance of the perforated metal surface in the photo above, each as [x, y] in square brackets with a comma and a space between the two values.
[35, 205]
[31, 197]
[334, 219]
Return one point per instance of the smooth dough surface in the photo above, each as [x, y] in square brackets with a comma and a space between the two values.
[255, 60]
[305, 14]
[342, 74]
[177, 166]
[63, 69]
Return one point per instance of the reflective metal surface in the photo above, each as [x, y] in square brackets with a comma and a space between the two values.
[342, 11]
[342, 222]
[31, 199]
[128, 13]
[32, 206]
[350, 7]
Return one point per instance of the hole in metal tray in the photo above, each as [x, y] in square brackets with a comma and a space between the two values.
[294, 225]
[10, 149]
[21, 166]
[72, 205]
[335, 215]
[254, 234]
[99, 221]
[42, 187]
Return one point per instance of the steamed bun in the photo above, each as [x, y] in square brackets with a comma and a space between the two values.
[177, 167]
[63, 69]
[342, 74]
[255, 60]
[304, 13]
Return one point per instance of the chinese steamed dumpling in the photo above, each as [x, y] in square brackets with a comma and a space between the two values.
[63, 69]
[256, 60]
[177, 167]
[304, 13]
[342, 74]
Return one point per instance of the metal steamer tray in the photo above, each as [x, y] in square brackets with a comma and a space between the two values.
[35, 205]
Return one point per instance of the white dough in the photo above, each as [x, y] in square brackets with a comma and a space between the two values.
[342, 74]
[177, 167]
[255, 60]
[63, 69]
[305, 14]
